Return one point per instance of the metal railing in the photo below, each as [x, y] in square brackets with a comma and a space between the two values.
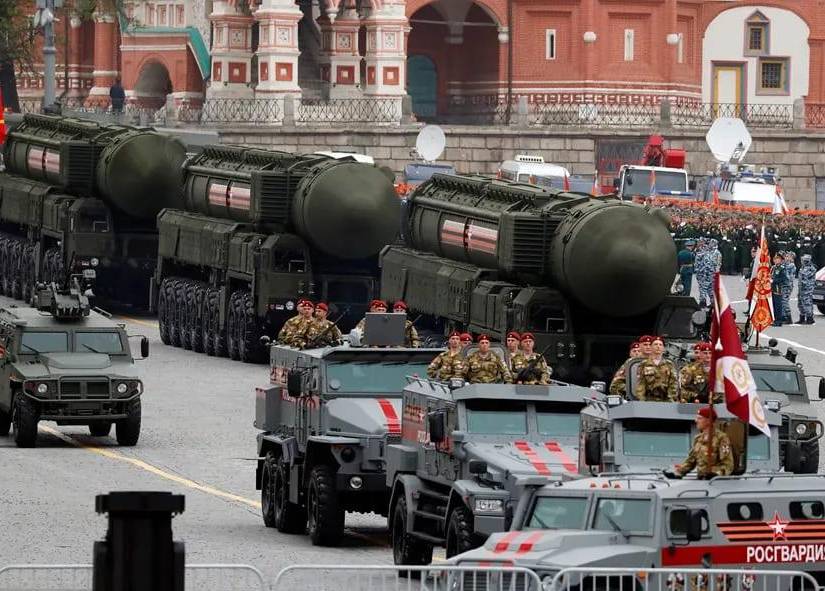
[754, 115]
[676, 579]
[482, 109]
[595, 115]
[405, 578]
[234, 110]
[374, 110]
[78, 577]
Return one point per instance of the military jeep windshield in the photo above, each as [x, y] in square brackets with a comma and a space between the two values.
[559, 419]
[558, 513]
[98, 342]
[60, 342]
[626, 515]
[669, 439]
[777, 380]
[44, 342]
[496, 417]
[371, 376]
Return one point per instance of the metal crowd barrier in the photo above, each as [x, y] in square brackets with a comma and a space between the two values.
[684, 579]
[405, 578]
[78, 577]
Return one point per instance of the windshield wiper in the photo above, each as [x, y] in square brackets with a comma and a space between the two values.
[540, 521]
[90, 348]
[766, 383]
[32, 349]
[616, 526]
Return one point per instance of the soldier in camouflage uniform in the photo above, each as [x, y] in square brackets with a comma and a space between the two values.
[694, 377]
[618, 385]
[466, 339]
[485, 367]
[807, 281]
[294, 331]
[716, 461]
[376, 306]
[644, 345]
[410, 334]
[322, 332]
[513, 343]
[778, 280]
[448, 364]
[790, 272]
[657, 376]
[531, 368]
[704, 269]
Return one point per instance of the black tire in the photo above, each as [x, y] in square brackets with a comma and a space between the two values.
[460, 534]
[127, 430]
[25, 420]
[5, 423]
[4, 275]
[276, 509]
[163, 312]
[209, 324]
[218, 334]
[184, 317]
[28, 279]
[268, 489]
[100, 428]
[810, 460]
[15, 252]
[249, 346]
[172, 314]
[196, 296]
[325, 517]
[405, 548]
[821, 308]
[232, 349]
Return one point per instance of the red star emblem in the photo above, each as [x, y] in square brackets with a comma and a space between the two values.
[778, 527]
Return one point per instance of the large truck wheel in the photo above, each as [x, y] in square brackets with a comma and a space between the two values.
[325, 517]
[172, 302]
[250, 333]
[25, 422]
[196, 294]
[127, 430]
[810, 459]
[460, 534]
[163, 312]
[5, 423]
[276, 509]
[405, 548]
[182, 302]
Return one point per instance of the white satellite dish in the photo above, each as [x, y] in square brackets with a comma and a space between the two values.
[728, 139]
[430, 143]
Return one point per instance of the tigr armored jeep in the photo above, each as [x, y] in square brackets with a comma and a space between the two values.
[465, 454]
[638, 436]
[759, 521]
[326, 419]
[61, 361]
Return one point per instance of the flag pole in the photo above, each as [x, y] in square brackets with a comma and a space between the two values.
[712, 389]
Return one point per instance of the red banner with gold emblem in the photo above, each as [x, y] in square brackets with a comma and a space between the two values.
[759, 292]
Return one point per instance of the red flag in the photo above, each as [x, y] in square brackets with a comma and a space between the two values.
[761, 308]
[729, 371]
[566, 182]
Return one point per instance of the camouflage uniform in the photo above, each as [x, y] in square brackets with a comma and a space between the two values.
[704, 276]
[515, 360]
[790, 274]
[322, 333]
[694, 381]
[807, 281]
[657, 381]
[294, 331]
[778, 280]
[445, 366]
[721, 457]
[486, 369]
[539, 374]
[618, 385]
[411, 335]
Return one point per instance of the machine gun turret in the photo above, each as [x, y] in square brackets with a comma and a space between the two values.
[63, 304]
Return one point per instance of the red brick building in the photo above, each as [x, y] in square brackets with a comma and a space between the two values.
[448, 54]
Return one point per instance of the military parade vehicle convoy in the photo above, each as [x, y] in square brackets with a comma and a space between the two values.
[61, 361]
[326, 419]
[466, 453]
[757, 521]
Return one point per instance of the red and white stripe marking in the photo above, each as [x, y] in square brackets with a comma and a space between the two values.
[469, 236]
[393, 422]
[554, 448]
[528, 452]
[518, 542]
[230, 196]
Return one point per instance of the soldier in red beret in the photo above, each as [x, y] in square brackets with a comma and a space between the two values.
[716, 461]
[323, 332]
[532, 368]
[485, 367]
[513, 342]
[410, 334]
[618, 385]
[466, 339]
[694, 378]
[448, 364]
[294, 331]
[376, 307]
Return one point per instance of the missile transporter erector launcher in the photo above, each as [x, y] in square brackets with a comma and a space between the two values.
[585, 276]
[260, 229]
[77, 197]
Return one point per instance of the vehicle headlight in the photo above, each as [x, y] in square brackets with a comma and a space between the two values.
[122, 388]
[772, 405]
[489, 506]
[801, 428]
[94, 262]
[42, 388]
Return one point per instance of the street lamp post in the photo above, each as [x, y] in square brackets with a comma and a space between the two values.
[45, 18]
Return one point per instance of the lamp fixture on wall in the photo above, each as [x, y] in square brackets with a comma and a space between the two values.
[589, 37]
[673, 38]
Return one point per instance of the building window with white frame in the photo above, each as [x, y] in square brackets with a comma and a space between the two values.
[550, 44]
[773, 76]
[629, 37]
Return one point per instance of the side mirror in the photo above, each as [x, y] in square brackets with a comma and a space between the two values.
[144, 347]
[294, 382]
[793, 457]
[435, 425]
[692, 185]
[477, 467]
[822, 388]
[593, 449]
[616, 183]
[694, 525]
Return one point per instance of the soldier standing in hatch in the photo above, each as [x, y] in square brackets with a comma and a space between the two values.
[410, 334]
[644, 346]
[807, 281]
[618, 385]
[377, 307]
[448, 364]
[716, 461]
[531, 368]
[694, 377]
[657, 376]
[322, 332]
[485, 367]
[294, 331]
[513, 342]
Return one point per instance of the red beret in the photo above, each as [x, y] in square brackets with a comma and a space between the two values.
[305, 302]
[658, 339]
[466, 336]
[455, 333]
[646, 340]
[704, 346]
[634, 345]
[322, 306]
[483, 337]
[527, 335]
[513, 335]
[377, 303]
[707, 412]
[399, 304]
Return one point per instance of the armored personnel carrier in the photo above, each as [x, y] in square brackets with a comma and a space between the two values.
[61, 361]
[585, 276]
[467, 451]
[326, 419]
[636, 522]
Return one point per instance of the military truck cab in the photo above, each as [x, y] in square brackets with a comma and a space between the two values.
[465, 454]
[61, 361]
[638, 436]
[653, 181]
[326, 418]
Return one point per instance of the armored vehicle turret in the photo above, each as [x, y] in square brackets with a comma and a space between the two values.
[465, 455]
[326, 418]
[62, 362]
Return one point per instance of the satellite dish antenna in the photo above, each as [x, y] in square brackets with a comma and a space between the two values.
[728, 139]
[430, 143]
